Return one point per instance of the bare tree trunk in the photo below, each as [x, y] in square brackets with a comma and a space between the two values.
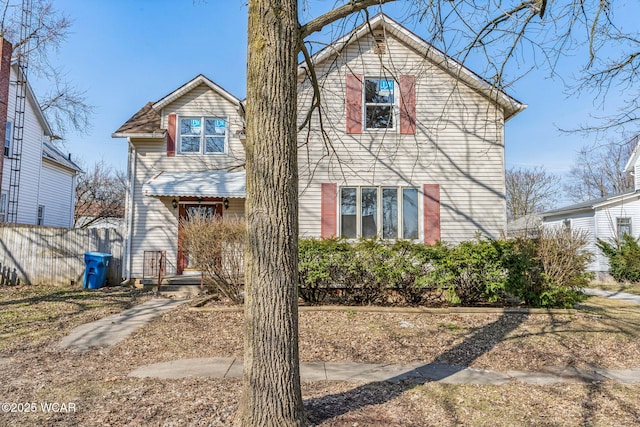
[271, 381]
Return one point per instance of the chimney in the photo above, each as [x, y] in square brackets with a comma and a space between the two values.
[5, 75]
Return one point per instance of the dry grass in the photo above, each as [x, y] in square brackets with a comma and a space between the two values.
[602, 333]
[33, 315]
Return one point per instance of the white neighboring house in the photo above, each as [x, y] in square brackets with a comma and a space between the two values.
[47, 184]
[607, 218]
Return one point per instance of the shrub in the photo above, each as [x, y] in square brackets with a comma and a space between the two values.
[624, 258]
[471, 272]
[546, 271]
[323, 265]
[216, 248]
[369, 271]
[552, 268]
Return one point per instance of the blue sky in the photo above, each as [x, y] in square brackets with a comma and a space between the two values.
[125, 53]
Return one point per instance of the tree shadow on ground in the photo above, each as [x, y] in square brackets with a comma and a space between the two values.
[482, 341]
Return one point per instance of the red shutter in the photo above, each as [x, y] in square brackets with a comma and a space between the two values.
[407, 105]
[171, 135]
[354, 103]
[328, 209]
[431, 213]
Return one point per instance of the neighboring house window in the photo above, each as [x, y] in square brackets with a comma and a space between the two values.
[624, 227]
[379, 98]
[3, 207]
[204, 135]
[387, 212]
[40, 214]
[7, 139]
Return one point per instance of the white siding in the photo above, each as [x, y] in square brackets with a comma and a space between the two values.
[31, 163]
[458, 143]
[57, 194]
[582, 221]
[601, 223]
[606, 224]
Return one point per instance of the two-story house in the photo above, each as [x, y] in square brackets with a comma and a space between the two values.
[405, 143]
[37, 180]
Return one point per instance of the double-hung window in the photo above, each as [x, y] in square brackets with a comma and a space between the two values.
[40, 215]
[3, 207]
[203, 135]
[379, 99]
[7, 139]
[624, 227]
[386, 212]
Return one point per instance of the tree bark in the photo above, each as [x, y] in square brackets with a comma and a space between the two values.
[271, 380]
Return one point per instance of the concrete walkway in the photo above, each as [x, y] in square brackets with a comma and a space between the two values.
[113, 329]
[110, 330]
[363, 372]
[623, 296]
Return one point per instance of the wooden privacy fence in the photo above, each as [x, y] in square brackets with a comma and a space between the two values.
[48, 255]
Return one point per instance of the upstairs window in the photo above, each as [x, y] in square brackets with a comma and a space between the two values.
[203, 135]
[40, 214]
[387, 212]
[7, 139]
[379, 98]
[3, 206]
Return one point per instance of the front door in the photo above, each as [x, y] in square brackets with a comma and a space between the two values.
[185, 211]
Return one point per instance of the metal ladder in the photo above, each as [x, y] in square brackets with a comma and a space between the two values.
[15, 155]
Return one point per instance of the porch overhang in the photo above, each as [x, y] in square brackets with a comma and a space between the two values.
[197, 184]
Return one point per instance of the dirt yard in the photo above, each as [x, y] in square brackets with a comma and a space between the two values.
[60, 387]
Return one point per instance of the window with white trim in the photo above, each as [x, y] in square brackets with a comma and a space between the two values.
[7, 138]
[379, 101]
[386, 212]
[624, 227]
[203, 135]
[3, 206]
[40, 215]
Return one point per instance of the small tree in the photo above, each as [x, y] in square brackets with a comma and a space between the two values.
[529, 191]
[215, 246]
[100, 194]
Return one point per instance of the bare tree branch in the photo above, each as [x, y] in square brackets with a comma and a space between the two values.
[336, 14]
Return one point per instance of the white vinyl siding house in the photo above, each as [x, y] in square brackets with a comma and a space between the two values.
[429, 165]
[47, 177]
[603, 218]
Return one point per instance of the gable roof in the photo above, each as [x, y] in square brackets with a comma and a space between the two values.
[34, 103]
[592, 205]
[146, 123]
[52, 153]
[629, 167]
[510, 105]
[192, 84]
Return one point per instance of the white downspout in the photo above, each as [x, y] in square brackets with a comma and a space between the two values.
[131, 174]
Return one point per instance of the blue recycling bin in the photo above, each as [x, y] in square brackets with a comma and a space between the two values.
[96, 267]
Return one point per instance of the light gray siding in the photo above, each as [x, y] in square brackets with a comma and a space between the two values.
[606, 224]
[584, 221]
[31, 161]
[57, 194]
